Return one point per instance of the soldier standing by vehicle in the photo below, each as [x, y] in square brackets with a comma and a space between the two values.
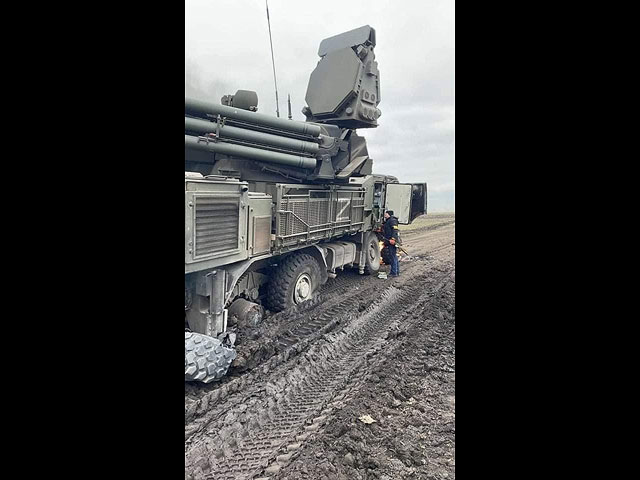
[390, 232]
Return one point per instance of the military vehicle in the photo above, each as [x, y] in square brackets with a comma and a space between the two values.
[274, 207]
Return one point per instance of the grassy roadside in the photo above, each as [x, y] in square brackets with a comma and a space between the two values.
[429, 220]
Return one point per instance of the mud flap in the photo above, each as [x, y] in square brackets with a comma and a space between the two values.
[205, 358]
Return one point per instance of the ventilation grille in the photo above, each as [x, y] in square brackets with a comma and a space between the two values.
[324, 215]
[216, 225]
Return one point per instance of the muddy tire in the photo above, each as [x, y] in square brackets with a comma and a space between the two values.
[295, 281]
[371, 254]
[205, 358]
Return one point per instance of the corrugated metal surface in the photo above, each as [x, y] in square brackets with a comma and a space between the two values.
[216, 225]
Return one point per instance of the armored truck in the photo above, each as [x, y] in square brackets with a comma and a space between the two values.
[274, 207]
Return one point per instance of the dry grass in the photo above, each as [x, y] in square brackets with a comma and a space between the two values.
[429, 220]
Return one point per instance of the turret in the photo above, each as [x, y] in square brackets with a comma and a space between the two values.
[232, 139]
[344, 88]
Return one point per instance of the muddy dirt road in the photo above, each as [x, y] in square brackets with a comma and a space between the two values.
[358, 384]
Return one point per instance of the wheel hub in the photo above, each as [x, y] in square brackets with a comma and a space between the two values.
[302, 290]
[372, 251]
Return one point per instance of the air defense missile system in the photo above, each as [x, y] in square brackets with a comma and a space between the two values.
[273, 207]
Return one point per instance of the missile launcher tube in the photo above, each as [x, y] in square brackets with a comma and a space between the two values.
[250, 153]
[198, 108]
[203, 127]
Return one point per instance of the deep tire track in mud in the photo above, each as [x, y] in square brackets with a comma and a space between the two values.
[306, 390]
[234, 450]
[244, 424]
[409, 389]
[285, 334]
[324, 313]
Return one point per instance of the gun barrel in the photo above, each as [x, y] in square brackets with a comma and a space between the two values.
[227, 131]
[250, 153]
[198, 108]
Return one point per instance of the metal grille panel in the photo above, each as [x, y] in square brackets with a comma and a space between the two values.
[319, 215]
[216, 224]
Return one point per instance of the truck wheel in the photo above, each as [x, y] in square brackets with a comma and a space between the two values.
[205, 358]
[371, 254]
[295, 281]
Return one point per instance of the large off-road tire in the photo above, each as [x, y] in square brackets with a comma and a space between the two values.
[205, 358]
[371, 253]
[295, 281]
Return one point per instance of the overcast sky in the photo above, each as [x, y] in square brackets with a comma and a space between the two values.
[227, 48]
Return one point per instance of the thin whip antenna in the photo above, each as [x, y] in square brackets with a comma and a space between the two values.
[273, 61]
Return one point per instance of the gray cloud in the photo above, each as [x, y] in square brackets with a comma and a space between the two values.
[227, 48]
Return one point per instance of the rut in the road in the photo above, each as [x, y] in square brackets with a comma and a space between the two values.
[408, 388]
[241, 451]
[283, 336]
